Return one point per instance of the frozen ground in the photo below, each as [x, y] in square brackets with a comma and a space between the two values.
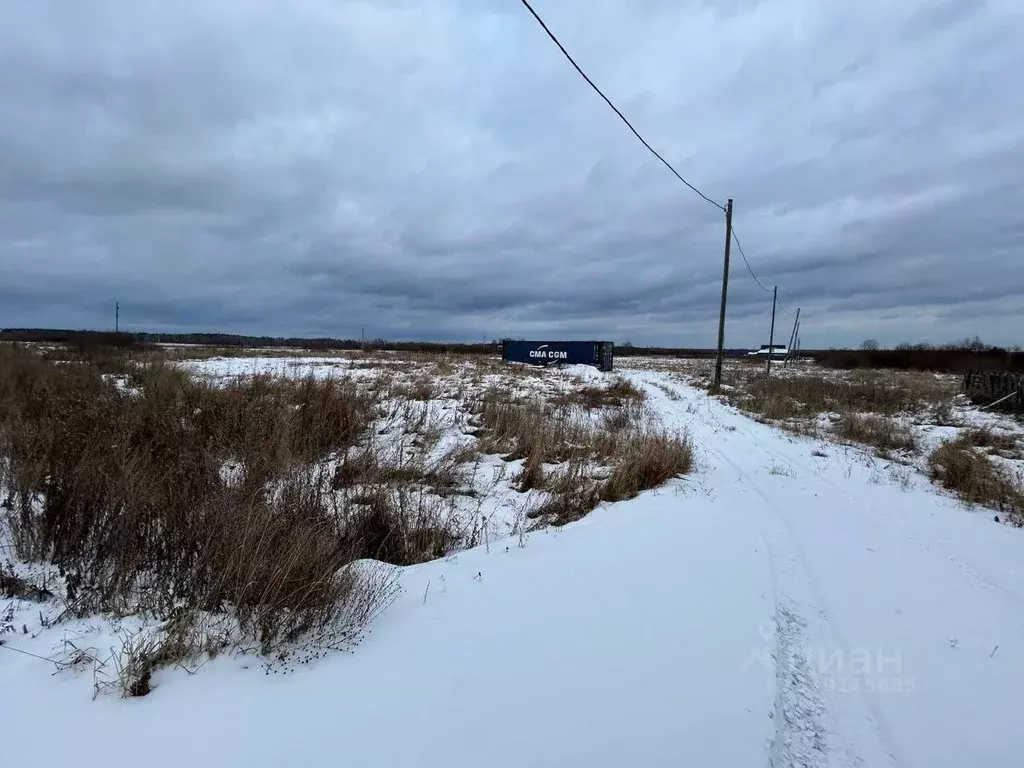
[791, 603]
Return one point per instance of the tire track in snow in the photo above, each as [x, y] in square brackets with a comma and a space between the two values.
[801, 715]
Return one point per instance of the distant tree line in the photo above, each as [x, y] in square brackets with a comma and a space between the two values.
[123, 339]
[954, 357]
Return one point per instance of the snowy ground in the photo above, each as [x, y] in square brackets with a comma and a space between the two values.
[791, 603]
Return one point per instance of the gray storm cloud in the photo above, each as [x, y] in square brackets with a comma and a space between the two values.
[437, 170]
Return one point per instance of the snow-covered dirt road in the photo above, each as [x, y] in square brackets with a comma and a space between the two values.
[788, 604]
[899, 616]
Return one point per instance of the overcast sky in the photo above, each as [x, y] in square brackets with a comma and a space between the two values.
[435, 169]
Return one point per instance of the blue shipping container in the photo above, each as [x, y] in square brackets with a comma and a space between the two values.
[598, 353]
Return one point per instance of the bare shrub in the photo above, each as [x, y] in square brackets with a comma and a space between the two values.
[880, 432]
[976, 479]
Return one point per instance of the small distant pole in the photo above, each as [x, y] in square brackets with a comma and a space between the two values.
[362, 338]
[117, 317]
[771, 334]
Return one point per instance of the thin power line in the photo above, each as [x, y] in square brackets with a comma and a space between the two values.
[614, 108]
[751, 271]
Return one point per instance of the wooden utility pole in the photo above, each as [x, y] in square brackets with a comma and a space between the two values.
[771, 333]
[117, 317]
[792, 336]
[725, 293]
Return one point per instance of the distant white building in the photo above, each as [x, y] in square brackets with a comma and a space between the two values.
[775, 351]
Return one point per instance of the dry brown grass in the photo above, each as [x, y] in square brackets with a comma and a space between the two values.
[114, 471]
[867, 402]
[616, 394]
[577, 457]
[976, 479]
[1001, 443]
[14, 586]
[647, 459]
[783, 397]
[366, 468]
[883, 434]
[122, 490]
[401, 526]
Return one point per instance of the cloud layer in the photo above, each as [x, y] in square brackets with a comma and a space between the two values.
[437, 170]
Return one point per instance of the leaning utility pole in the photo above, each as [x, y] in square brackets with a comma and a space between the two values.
[725, 292]
[771, 333]
[792, 336]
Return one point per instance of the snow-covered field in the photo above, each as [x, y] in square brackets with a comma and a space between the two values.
[792, 602]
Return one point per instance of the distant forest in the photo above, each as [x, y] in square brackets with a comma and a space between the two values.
[955, 357]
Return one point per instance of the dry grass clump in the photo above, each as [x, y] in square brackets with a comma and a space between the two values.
[1001, 443]
[528, 428]
[421, 388]
[13, 586]
[579, 458]
[618, 393]
[884, 434]
[957, 466]
[445, 474]
[647, 459]
[400, 526]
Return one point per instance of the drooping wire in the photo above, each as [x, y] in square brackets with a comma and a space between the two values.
[751, 270]
[615, 109]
